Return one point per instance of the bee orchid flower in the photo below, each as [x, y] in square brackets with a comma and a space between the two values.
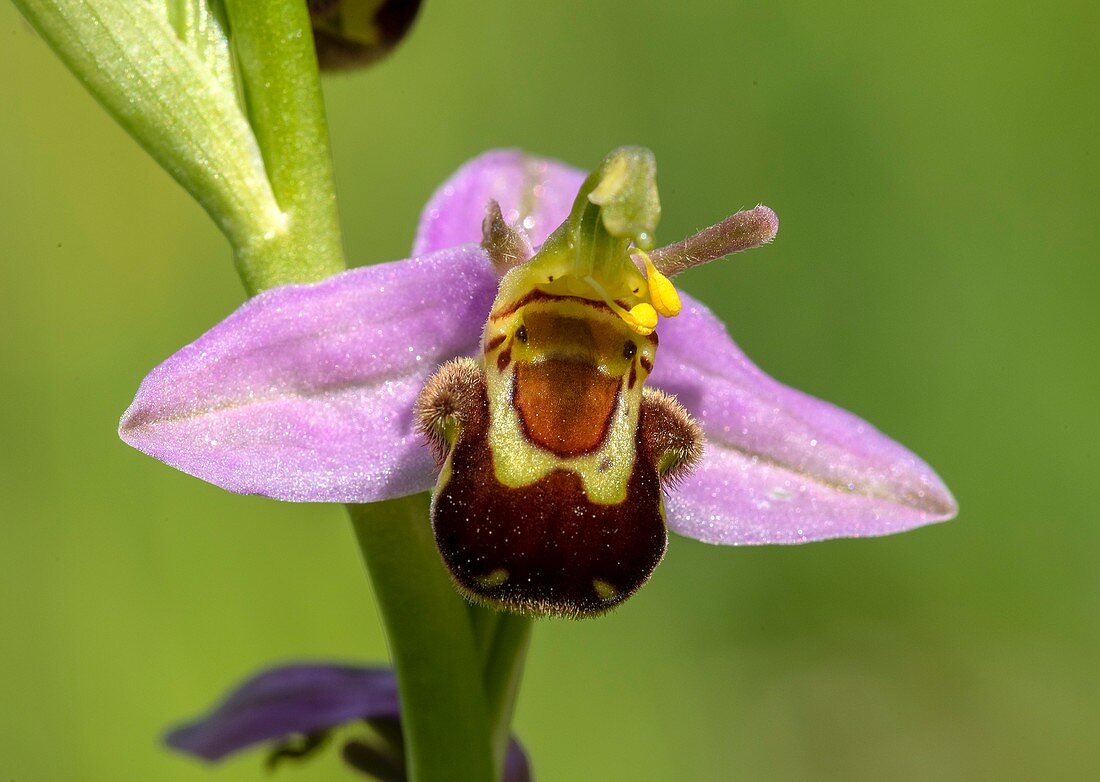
[575, 402]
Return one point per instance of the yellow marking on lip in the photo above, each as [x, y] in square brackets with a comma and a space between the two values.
[518, 462]
[604, 590]
[493, 579]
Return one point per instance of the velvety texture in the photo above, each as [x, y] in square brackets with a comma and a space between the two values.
[306, 392]
[302, 698]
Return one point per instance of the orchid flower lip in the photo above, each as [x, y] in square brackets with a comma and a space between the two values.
[306, 393]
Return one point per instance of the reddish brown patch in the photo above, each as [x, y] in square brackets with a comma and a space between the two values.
[504, 359]
[646, 363]
[565, 406]
[633, 375]
[495, 342]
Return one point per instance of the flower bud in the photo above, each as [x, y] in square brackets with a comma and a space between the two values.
[356, 33]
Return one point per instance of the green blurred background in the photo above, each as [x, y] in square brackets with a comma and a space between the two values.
[935, 168]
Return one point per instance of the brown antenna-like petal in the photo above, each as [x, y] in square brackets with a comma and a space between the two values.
[741, 231]
[508, 247]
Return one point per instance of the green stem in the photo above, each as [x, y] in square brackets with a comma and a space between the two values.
[503, 672]
[273, 41]
[484, 621]
[432, 645]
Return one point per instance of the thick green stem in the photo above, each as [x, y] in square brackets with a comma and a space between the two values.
[273, 41]
[432, 645]
[484, 621]
[503, 674]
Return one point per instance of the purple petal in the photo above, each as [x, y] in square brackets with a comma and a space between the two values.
[516, 767]
[293, 699]
[533, 192]
[303, 698]
[306, 392]
[780, 466]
